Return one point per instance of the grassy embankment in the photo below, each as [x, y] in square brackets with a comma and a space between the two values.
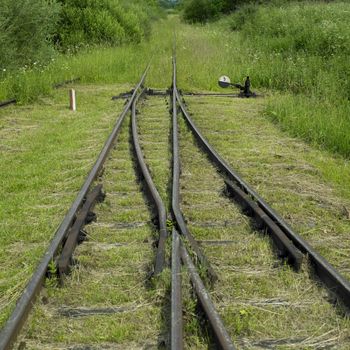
[300, 50]
[35, 34]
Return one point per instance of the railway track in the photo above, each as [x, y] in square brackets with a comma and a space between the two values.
[152, 213]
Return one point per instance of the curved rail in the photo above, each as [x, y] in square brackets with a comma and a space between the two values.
[214, 319]
[161, 211]
[176, 181]
[17, 318]
[325, 271]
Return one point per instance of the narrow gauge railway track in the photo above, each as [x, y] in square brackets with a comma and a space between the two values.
[178, 248]
[66, 239]
[289, 243]
[289, 246]
[17, 318]
[184, 245]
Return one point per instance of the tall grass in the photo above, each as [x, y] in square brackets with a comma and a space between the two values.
[299, 49]
[123, 64]
[29, 65]
[302, 48]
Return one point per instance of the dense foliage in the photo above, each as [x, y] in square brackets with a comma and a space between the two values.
[31, 29]
[26, 27]
[204, 10]
[111, 22]
[316, 29]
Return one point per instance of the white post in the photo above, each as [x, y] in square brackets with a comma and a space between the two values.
[73, 103]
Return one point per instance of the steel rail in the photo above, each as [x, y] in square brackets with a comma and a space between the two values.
[8, 102]
[17, 318]
[175, 202]
[176, 338]
[161, 211]
[213, 316]
[335, 282]
[286, 248]
[176, 330]
[209, 94]
[64, 261]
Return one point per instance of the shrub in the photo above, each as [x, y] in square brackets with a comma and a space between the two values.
[26, 27]
[201, 10]
[108, 22]
[204, 10]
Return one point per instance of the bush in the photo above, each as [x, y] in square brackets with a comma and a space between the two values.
[111, 22]
[201, 10]
[26, 27]
[204, 10]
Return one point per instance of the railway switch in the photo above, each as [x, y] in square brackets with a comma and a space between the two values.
[225, 82]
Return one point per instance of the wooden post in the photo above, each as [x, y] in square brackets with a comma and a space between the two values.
[73, 104]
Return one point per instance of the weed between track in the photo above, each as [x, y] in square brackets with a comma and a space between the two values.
[46, 153]
[113, 272]
[291, 176]
[260, 298]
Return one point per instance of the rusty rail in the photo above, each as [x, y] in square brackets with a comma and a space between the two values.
[71, 242]
[17, 318]
[152, 190]
[175, 203]
[8, 102]
[332, 279]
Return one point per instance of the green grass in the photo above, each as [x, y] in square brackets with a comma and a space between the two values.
[113, 271]
[304, 56]
[46, 153]
[260, 298]
[300, 49]
[123, 64]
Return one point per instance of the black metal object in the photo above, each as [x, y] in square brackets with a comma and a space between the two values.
[245, 89]
[123, 95]
[155, 92]
[176, 184]
[161, 211]
[14, 323]
[147, 91]
[286, 249]
[72, 240]
[213, 317]
[336, 283]
[8, 102]
[176, 295]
